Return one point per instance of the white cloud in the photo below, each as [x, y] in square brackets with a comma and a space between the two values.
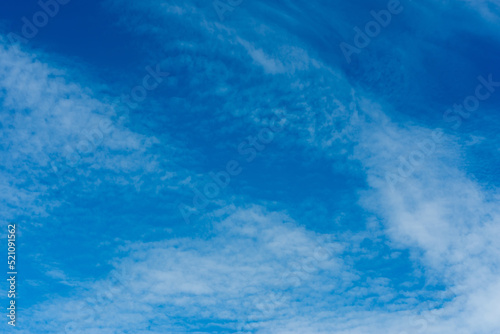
[449, 220]
[224, 277]
[446, 219]
[51, 124]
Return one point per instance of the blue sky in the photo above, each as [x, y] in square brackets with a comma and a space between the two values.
[224, 167]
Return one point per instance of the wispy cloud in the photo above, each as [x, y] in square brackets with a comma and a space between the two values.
[420, 255]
